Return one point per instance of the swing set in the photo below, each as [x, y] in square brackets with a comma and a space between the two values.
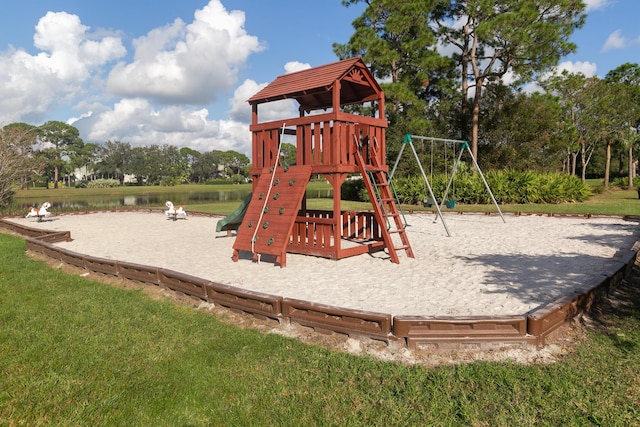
[408, 140]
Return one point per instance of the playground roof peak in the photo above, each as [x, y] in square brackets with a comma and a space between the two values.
[313, 87]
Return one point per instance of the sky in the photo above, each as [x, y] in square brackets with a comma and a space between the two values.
[180, 72]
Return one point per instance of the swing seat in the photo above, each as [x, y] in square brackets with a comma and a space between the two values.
[450, 204]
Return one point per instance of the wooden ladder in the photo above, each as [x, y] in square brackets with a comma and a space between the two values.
[384, 203]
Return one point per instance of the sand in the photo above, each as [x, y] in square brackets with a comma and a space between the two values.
[486, 267]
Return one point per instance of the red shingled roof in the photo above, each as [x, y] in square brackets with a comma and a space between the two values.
[312, 87]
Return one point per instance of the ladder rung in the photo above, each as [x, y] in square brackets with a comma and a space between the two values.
[398, 231]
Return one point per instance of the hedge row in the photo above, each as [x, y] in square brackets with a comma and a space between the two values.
[508, 187]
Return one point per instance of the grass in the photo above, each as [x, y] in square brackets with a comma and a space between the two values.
[78, 352]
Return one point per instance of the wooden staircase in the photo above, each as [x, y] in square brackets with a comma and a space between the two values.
[384, 203]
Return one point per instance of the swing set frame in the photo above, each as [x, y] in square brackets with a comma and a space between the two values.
[408, 140]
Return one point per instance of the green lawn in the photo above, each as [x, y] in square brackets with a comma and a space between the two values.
[78, 352]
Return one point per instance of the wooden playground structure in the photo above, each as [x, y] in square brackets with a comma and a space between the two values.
[330, 141]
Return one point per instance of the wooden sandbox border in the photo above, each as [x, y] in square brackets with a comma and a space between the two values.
[429, 333]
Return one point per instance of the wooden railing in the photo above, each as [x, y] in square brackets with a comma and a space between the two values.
[314, 234]
[324, 141]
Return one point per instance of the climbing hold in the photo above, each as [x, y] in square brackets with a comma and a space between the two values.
[260, 196]
[276, 182]
[291, 182]
[281, 211]
[275, 196]
[265, 225]
[250, 224]
[270, 241]
[286, 168]
[266, 209]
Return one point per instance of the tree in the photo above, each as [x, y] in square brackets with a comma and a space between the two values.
[60, 141]
[16, 157]
[83, 159]
[578, 98]
[609, 118]
[204, 167]
[493, 38]
[629, 140]
[115, 159]
[288, 152]
[629, 75]
[231, 161]
[521, 131]
[396, 43]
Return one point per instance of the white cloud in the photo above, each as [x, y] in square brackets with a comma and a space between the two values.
[240, 109]
[277, 110]
[30, 85]
[614, 41]
[188, 64]
[293, 66]
[586, 68]
[596, 4]
[137, 122]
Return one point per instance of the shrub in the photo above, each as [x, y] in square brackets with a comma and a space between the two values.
[508, 187]
[353, 189]
[103, 183]
[170, 181]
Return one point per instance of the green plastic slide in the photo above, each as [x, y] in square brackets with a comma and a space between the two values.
[234, 219]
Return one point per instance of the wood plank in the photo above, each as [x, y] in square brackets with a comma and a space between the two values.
[267, 226]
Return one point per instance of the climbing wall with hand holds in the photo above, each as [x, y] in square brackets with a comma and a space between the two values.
[275, 201]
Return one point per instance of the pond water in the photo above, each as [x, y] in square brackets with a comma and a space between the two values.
[108, 201]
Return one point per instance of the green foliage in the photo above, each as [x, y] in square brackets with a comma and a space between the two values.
[103, 183]
[170, 181]
[623, 182]
[16, 159]
[353, 189]
[508, 187]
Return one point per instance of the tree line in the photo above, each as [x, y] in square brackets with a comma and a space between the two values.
[54, 153]
[577, 124]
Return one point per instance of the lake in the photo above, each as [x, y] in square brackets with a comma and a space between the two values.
[108, 201]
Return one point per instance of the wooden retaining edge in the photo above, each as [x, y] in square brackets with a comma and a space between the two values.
[35, 245]
[55, 237]
[139, 272]
[539, 323]
[45, 235]
[335, 319]
[23, 230]
[631, 257]
[543, 321]
[51, 251]
[546, 319]
[435, 332]
[72, 258]
[256, 303]
[101, 265]
[185, 283]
